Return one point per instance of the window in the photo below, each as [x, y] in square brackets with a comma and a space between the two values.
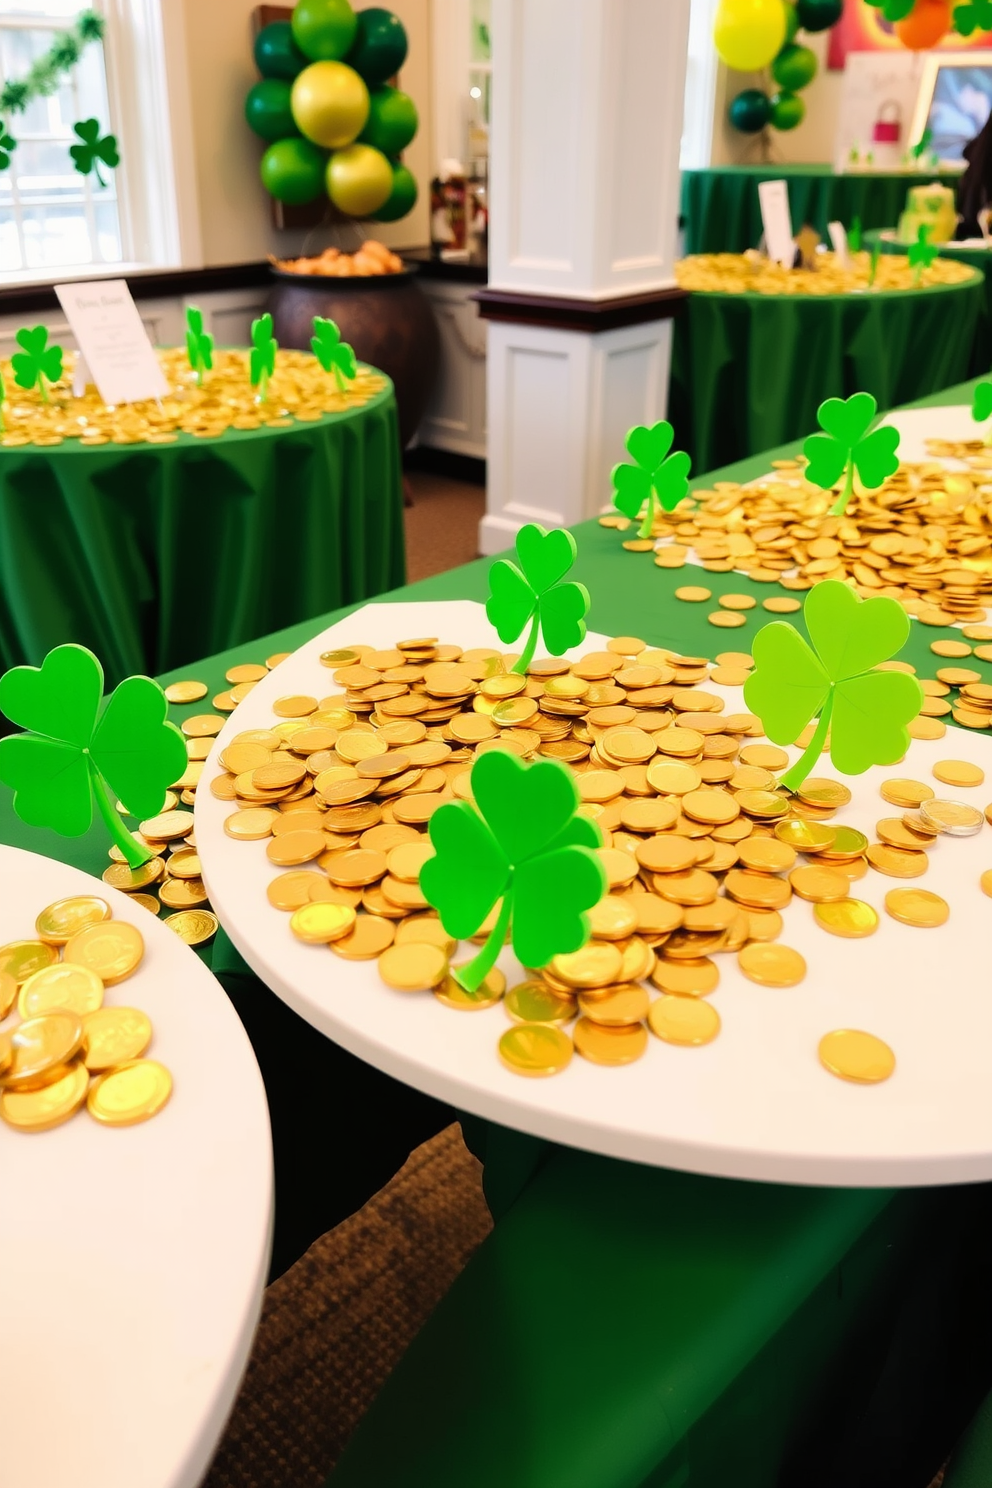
[702, 66]
[479, 77]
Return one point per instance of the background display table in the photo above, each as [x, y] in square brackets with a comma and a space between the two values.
[750, 370]
[977, 258]
[720, 207]
[152, 553]
[132, 1261]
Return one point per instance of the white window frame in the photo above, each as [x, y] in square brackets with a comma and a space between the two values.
[702, 71]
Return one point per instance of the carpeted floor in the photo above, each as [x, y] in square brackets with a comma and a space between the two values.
[442, 525]
[335, 1325]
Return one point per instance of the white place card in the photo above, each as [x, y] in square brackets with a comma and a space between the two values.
[773, 197]
[112, 340]
[838, 237]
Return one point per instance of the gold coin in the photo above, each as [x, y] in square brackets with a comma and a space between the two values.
[757, 890]
[825, 793]
[852, 919]
[252, 824]
[296, 706]
[737, 601]
[182, 893]
[193, 926]
[856, 1056]
[611, 1046]
[451, 992]
[693, 594]
[369, 938]
[781, 606]
[615, 1007]
[952, 817]
[113, 1035]
[293, 848]
[897, 862]
[726, 619]
[672, 780]
[291, 890]
[917, 907]
[818, 885]
[185, 864]
[39, 1050]
[425, 930]
[655, 815]
[654, 916]
[412, 968]
[986, 882]
[907, 793]
[612, 918]
[847, 842]
[72, 989]
[41, 1110]
[20, 959]
[60, 921]
[666, 854]
[112, 949]
[131, 880]
[168, 826]
[714, 807]
[247, 671]
[130, 1093]
[766, 805]
[958, 772]
[202, 726]
[597, 964]
[696, 977]
[535, 1049]
[922, 727]
[684, 1020]
[620, 866]
[764, 924]
[147, 901]
[185, 692]
[805, 836]
[766, 855]
[535, 1002]
[771, 965]
[318, 923]
[895, 831]
[8, 993]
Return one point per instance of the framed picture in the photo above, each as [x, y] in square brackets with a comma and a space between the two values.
[862, 28]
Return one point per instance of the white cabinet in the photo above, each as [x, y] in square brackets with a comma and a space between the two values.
[456, 415]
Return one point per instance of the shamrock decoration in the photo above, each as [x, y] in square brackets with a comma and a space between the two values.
[976, 15]
[854, 237]
[333, 354]
[199, 344]
[263, 355]
[922, 144]
[7, 144]
[37, 363]
[893, 10]
[922, 253]
[865, 710]
[72, 756]
[522, 843]
[846, 445]
[534, 591]
[653, 475]
[93, 149]
[981, 407]
[876, 258]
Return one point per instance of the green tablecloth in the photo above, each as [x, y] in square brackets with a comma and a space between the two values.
[721, 212]
[976, 258]
[154, 554]
[750, 370]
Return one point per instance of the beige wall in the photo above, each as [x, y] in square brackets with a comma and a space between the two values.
[234, 210]
[812, 141]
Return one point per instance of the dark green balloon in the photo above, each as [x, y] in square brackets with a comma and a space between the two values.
[380, 46]
[819, 15]
[401, 199]
[276, 53]
[392, 121]
[788, 111]
[794, 67]
[791, 22]
[750, 111]
[267, 109]
[324, 29]
[292, 171]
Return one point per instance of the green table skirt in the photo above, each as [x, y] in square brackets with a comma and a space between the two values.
[749, 371]
[153, 555]
[721, 213]
[979, 259]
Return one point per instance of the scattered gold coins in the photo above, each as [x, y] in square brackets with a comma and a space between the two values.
[917, 907]
[856, 1056]
[746, 273]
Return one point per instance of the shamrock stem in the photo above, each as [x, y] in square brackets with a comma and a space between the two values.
[134, 853]
[528, 654]
[794, 777]
[263, 387]
[647, 524]
[840, 505]
[472, 976]
[338, 378]
[42, 387]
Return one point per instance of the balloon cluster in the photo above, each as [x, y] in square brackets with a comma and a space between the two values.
[333, 125]
[753, 34]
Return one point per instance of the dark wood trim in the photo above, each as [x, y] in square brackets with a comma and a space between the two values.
[567, 314]
[155, 284]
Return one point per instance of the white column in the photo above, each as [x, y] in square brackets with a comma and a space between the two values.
[587, 121]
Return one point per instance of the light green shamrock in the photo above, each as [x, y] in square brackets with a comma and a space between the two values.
[534, 592]
[865, 710]
[846, 445]
[655, 475]
[74, 754]
[263, 355]
[522, 846]
[37, 363]
[199, 344]
[333, 354]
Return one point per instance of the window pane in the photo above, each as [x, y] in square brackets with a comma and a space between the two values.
[108, 231]
[56, 236]
[10, 247]
[480, 31]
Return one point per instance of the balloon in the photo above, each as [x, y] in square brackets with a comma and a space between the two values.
[788, 110]
[819, 15]
[359, 180]
[750, 111]
[380, 46]
[276, 53]
[324, 29]
[749, 33]
[392, 121]
[267, 109]
[791, 22]
[292, 171]
[402, 197]
[330, 103]
[794, 67]
[926, 24]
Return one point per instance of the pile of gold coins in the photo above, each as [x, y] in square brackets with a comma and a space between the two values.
[69, 1050]
[703, 850]
[752, 273]
[299, 391]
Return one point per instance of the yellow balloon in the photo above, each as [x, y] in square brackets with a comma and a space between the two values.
[330, 104]
[748, 34]
[359, 180]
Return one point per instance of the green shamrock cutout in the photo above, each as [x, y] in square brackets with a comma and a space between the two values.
[73, 754]
[524, 844]
[94, 148]
[333, 354]
[922, 253]
[263, 355]
[854, 237]
[199, 344]
[876, 259]
[865, 710]
[893, 10]
[922, 144]
[976, 15]
[981, 405]
[534, 592]
[654, 475]
[37, 364]
[846, 445]
[7, 145]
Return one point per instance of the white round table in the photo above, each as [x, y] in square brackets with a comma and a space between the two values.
[132, 1260]
[755, 1103]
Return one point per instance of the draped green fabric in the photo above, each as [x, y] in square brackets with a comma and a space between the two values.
[976, 258]
[155, 554]
[721, 214]
[750, 370]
